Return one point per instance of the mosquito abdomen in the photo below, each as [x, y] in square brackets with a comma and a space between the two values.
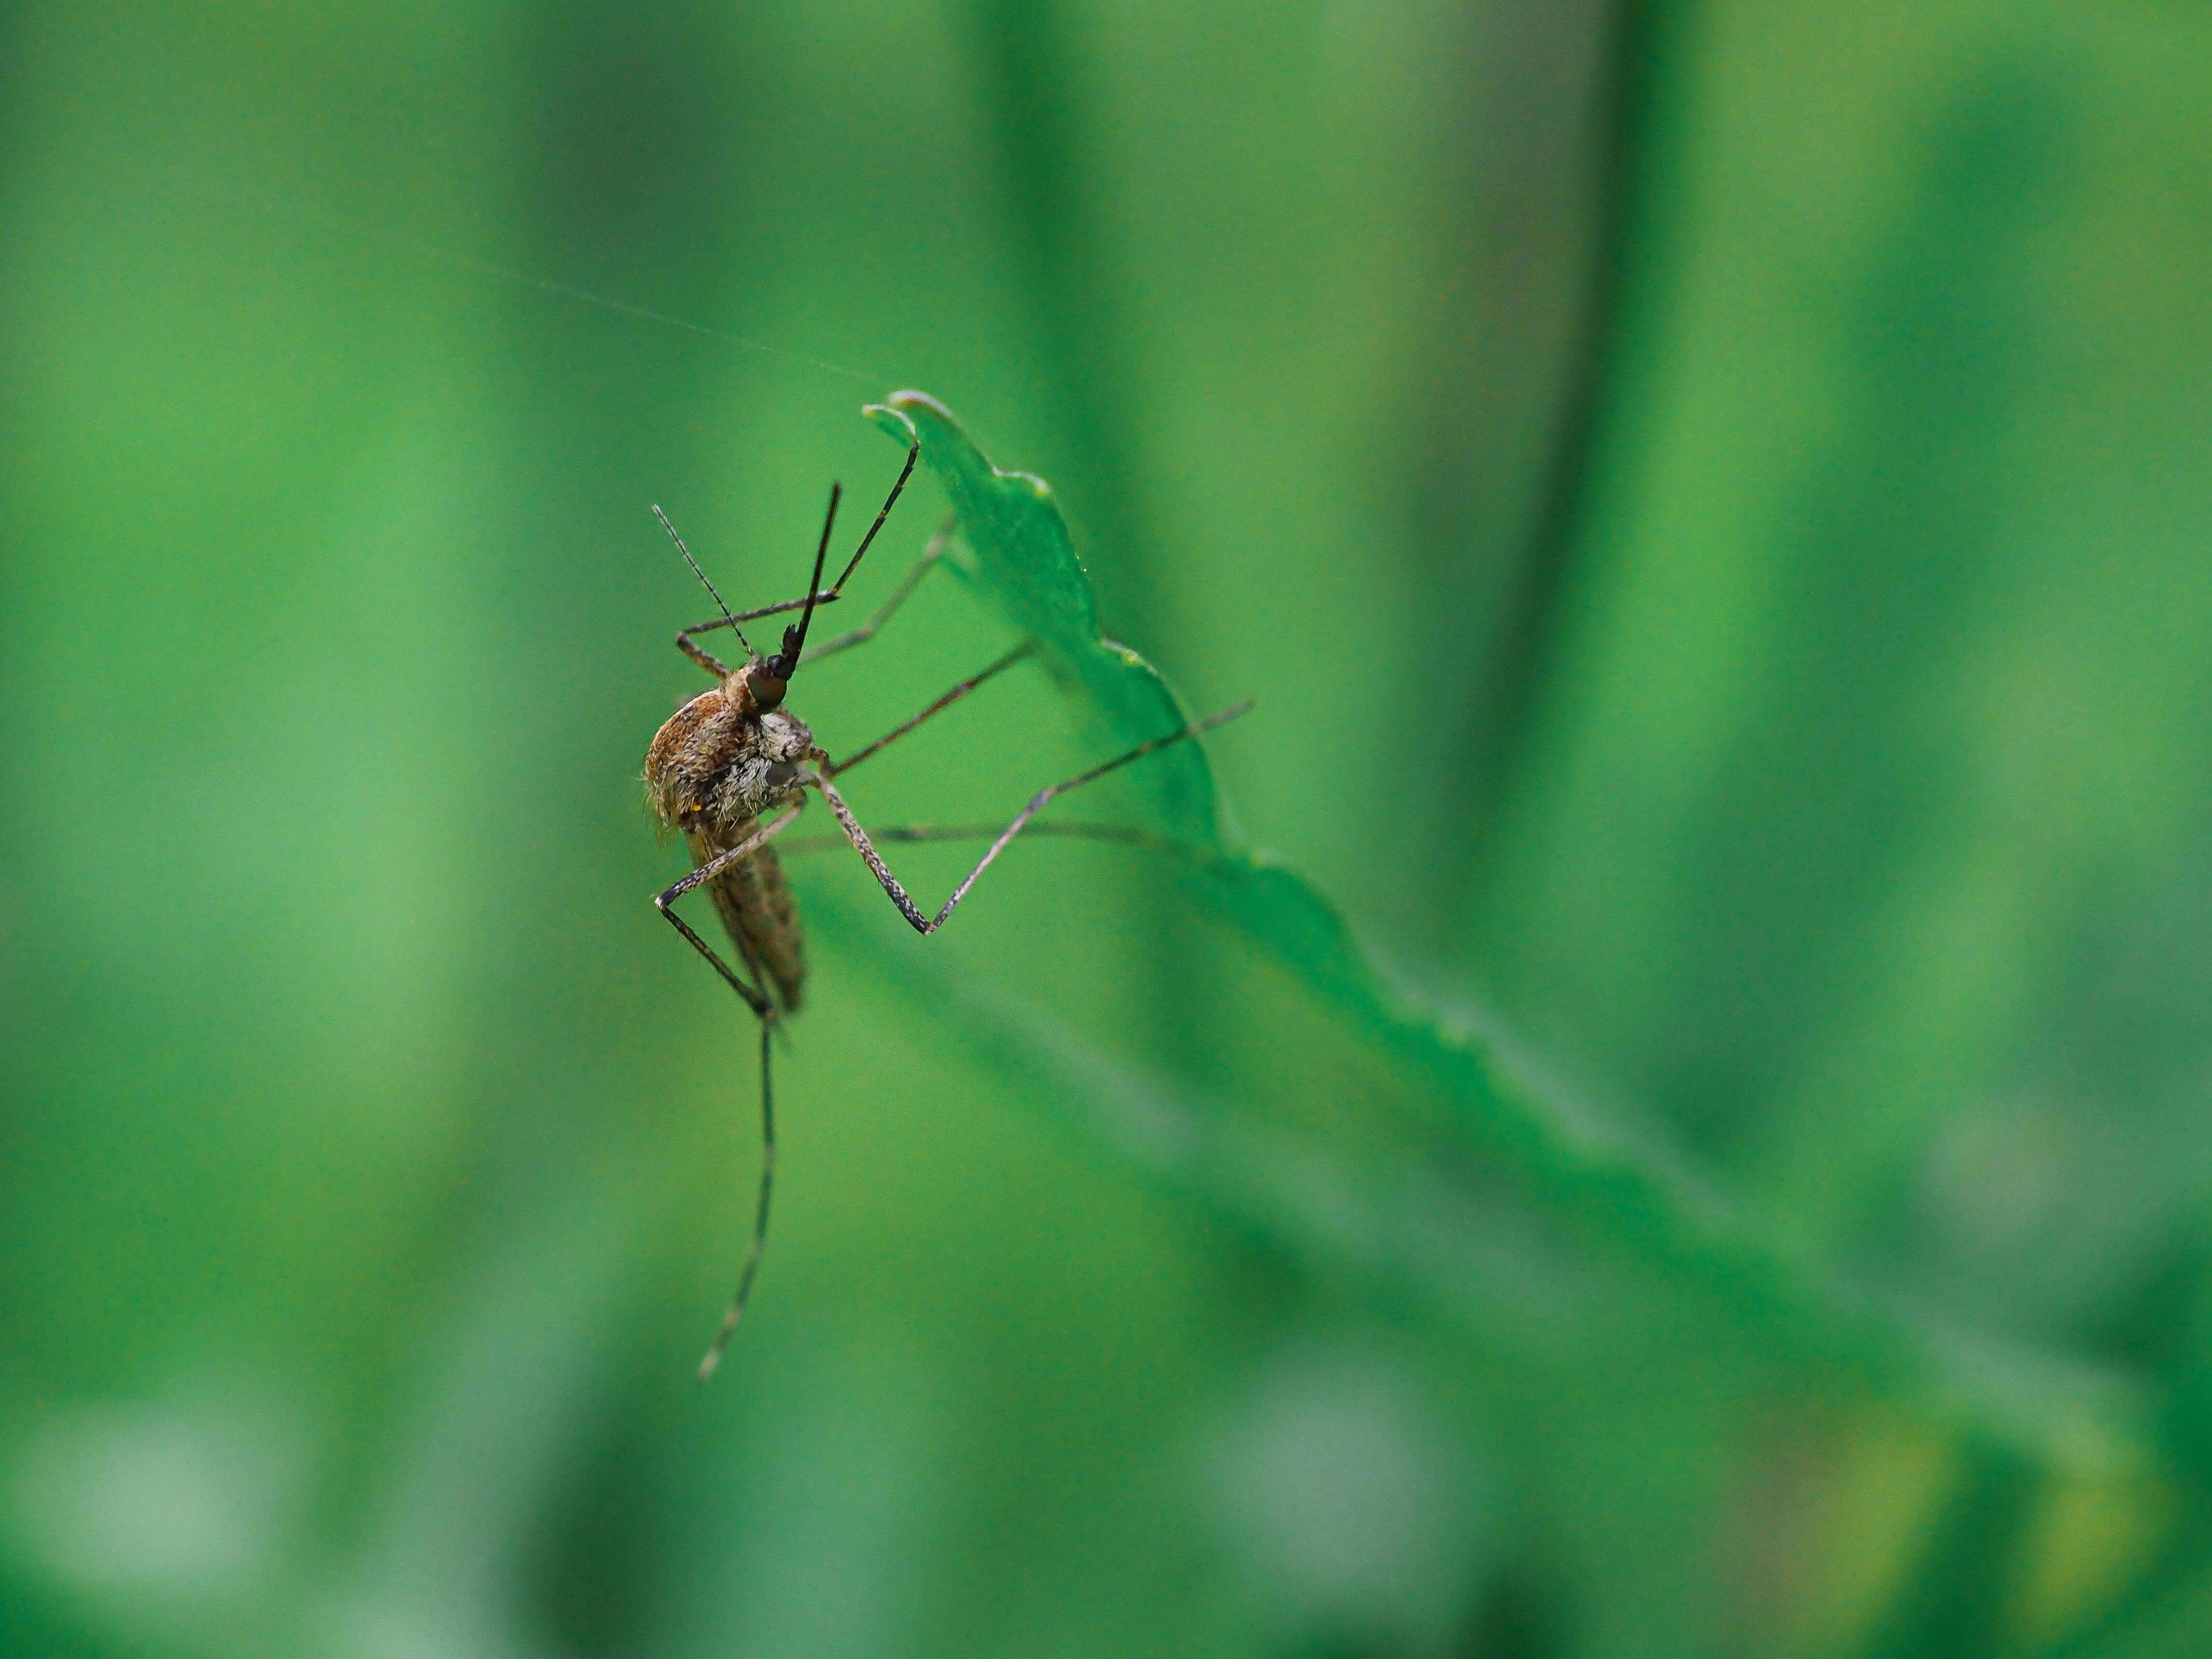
[754, 901]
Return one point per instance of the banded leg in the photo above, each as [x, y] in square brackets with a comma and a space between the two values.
[926, 925]
[764, 1010]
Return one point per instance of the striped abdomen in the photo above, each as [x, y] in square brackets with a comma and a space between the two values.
[757, 907]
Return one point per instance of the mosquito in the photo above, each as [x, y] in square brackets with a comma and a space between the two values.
[731, 770]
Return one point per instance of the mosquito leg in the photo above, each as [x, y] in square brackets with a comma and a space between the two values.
[712, 1356]
[860, 636]
[715, 666]
[912, 579]
[706, 660]
[764, 1011]
[664, 902]
[827, 596]
[926, 925]
[1078, 829]
[913, 454]
[832, 768]
[755, 1000]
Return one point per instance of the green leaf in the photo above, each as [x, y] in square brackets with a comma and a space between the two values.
[1624, 1192]
[1026, 565]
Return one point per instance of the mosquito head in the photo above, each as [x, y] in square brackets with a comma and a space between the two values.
[771, 676]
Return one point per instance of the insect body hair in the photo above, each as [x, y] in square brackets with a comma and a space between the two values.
[720, 762]
[718, 767]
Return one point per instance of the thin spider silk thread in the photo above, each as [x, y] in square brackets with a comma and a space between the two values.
[438, 254]
[622, 308]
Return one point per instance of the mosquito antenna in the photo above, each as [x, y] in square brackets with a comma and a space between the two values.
[794, 639]
[701, 575]
[912, 451]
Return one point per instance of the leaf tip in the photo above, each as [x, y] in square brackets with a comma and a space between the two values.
[913, 399]
[889, 418]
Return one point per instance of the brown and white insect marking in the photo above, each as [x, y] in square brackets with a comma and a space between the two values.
[731, 770]
[721, 762]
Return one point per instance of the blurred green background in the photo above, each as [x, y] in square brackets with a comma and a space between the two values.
[1715, 503]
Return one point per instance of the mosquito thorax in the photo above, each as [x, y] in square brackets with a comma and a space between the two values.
[723, 759]
[760, 763]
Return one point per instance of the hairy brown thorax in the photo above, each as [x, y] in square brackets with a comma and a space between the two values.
[714, 769]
